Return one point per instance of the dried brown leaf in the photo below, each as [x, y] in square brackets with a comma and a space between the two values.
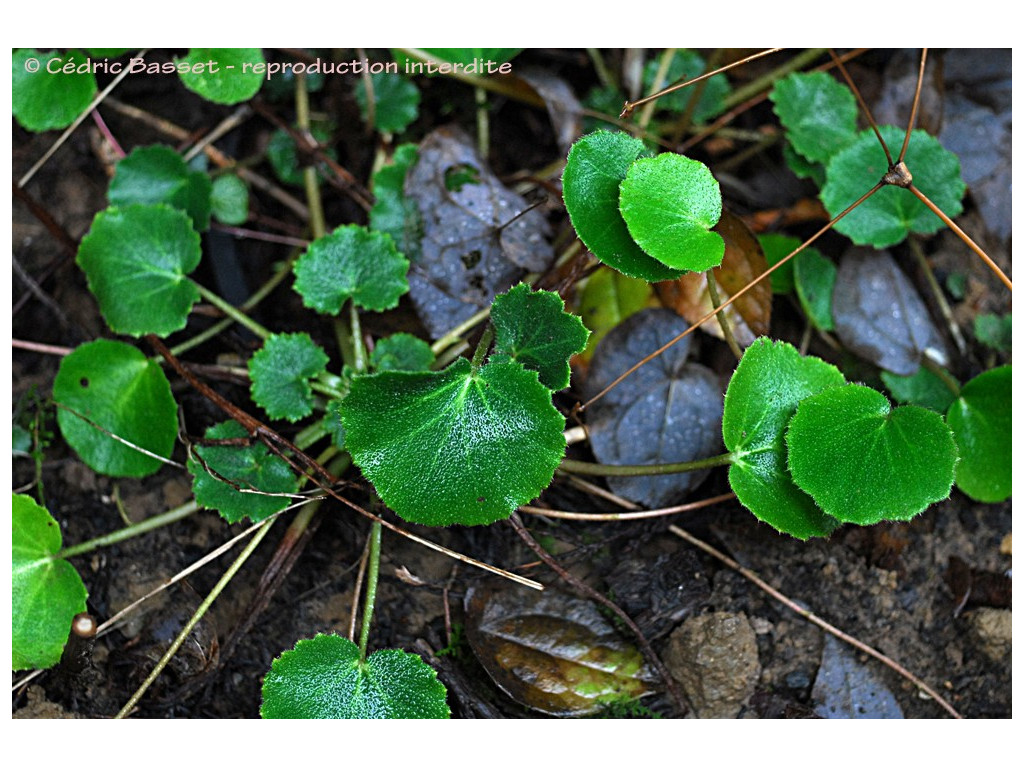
[750, 315]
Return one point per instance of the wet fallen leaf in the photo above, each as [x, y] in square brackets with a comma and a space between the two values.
[750, 315]
[475, 242]
[550, 651]
[667, 411]
[879, 314]
[563, 107]
[849, 690]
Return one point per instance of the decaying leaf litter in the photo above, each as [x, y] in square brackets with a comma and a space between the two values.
[770, 629]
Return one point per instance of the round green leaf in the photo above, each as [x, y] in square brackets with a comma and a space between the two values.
[401, 352]
[596, 166]
[323, 678]
[158, 174]
[862, 462]
[44, 100]
[221, 75]
[889, 215]
[46, 592]
[818, 112]
[229, 200]
[396, 101]
[280, 373]
[981, 423]
[114, 386]
[763, 394]
[250, 467]
[351, 263]
[533, 328]
[459, 446]
[136, 260]
[670, 203]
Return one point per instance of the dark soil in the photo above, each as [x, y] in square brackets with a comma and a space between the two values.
[918, 592]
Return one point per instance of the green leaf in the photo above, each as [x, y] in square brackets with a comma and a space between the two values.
[351, 263]
[136, 260]
[46, 592]
[230, 80]
[392, 212]
[157, 174]
[533, 328]
[888, 216]
[42, 100]
[229, 200]
[670, 203]
[114, 386]
[994, 331]
[818, 113]
[862, 462]
[459, 446]
[596, 166]
[763, 394]
[687, 64]
[280, 373]
[608, 298]
[803, 168]
[776, 248]
[923, 388]
[283, 154]
[324, 678]
[250, 467]
[981, 422]
[815, 279]
[396, 102]
[401, 352]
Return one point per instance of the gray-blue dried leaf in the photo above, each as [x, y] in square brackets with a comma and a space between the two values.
[666, 411]
[847, 689]
[470, 250]
[879, 315]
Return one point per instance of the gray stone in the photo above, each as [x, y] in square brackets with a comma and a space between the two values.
[714, 658]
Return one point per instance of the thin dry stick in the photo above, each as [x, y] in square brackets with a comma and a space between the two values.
[914, 105]
[731, 299]
[228, 124]
[78, 121]
[119, 439]
[214, 593]
[629, 106]
[863, 105]
[749, 104]
[593, 594]
[962, 235]
[750, 575]
[614, 517]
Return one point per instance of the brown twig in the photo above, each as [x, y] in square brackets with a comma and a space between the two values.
[811, 617]
[629, 106]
